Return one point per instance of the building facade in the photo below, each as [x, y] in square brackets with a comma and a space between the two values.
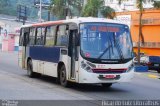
[9, 33]
[127, 5]
[150, 29]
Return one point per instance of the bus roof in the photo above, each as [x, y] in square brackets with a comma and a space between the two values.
[77, 20]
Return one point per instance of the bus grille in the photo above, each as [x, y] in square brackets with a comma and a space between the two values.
[109, 70]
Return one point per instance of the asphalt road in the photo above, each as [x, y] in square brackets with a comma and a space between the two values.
[16, 85]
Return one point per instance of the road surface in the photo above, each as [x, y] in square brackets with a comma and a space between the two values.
[16, 85]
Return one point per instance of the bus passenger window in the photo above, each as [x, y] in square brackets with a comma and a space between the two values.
[62, 36]
[50, 36]
[40, 36]
[32, 36]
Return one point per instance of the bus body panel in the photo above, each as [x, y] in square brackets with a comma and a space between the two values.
[50, 69]
[20, 62]
[49, 54]
[35, 65]
[86, 77]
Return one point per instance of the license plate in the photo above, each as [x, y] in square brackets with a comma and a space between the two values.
[110, 76]
[156, 65]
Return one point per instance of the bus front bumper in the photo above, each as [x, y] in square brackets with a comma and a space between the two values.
[88, 77]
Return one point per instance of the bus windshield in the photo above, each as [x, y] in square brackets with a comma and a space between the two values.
[105, 41]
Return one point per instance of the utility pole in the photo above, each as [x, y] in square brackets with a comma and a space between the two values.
[48, 15]
[40, 10]
[22, 13]
[42, 6]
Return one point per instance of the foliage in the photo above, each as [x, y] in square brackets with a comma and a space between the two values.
[9, 7]
[92, 8]
[156, 4]
[58, 8]
[4, 3]
[108, 12]
[63, 8]
[140, 4]
[6, 7]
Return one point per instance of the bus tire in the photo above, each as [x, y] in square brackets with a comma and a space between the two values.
[106, 85]
[30, 72]
[63, 76]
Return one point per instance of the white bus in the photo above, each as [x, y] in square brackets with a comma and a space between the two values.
[82, 50]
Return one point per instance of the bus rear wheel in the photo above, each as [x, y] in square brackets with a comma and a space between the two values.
[63, 76]
[106, 85]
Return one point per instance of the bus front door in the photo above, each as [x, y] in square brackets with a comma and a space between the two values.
[22, 48]
[72, 52]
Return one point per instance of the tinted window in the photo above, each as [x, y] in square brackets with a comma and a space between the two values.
[24, 37]
[50, 36]
[32, 36]
[40, 36]
[62, 36]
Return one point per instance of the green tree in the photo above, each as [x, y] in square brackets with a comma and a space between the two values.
[75, 7]
[156, 4]
[3, 5]
[108, 12]
[63, 8]
[58, 8]
[92, 8]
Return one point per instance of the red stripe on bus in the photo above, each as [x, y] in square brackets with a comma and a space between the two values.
[48, 23]
[122, 69]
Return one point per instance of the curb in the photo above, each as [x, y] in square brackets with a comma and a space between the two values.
[149, 75]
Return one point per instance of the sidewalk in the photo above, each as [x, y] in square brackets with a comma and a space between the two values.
[150, 74]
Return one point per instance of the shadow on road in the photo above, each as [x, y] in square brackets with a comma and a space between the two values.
[80, 87]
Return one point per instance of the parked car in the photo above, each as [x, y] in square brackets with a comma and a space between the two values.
[144, 59]
[153, 62]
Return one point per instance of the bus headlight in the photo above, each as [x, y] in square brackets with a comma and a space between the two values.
[86, 67]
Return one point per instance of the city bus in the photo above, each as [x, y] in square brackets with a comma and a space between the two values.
[83, 50]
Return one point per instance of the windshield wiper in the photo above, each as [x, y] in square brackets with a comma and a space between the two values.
[105, 51]
[108, 48]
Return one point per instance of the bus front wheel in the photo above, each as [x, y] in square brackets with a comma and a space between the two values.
[63, 77]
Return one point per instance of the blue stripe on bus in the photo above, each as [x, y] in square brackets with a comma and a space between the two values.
[49, 54]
